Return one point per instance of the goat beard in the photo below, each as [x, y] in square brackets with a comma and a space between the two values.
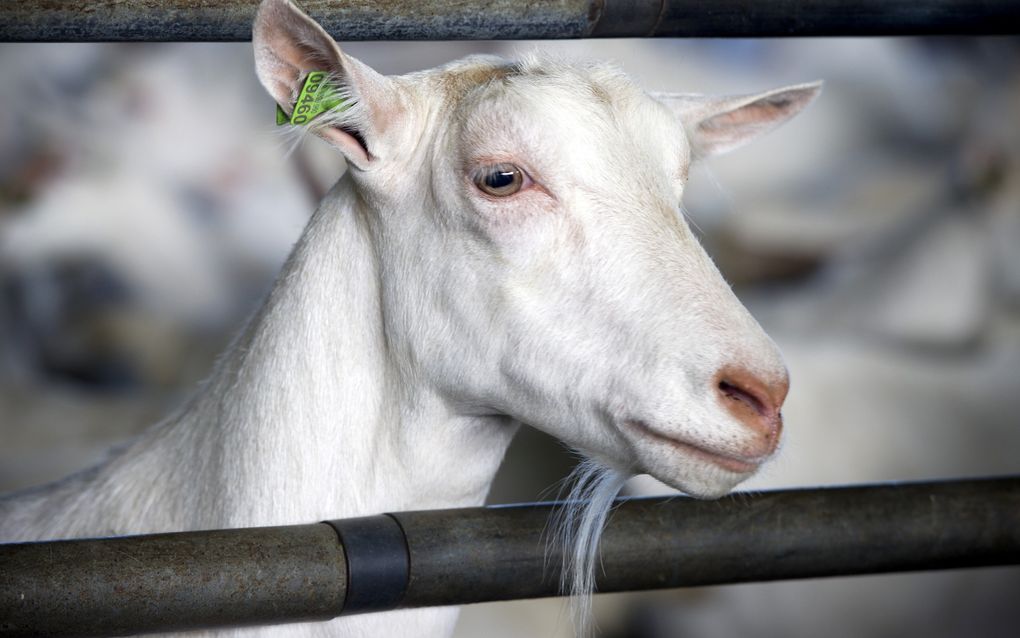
[576, 529]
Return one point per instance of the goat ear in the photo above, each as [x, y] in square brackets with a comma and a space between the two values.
[288, 46]
[717, 125]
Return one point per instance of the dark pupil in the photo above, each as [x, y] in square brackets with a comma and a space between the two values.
[499, 179]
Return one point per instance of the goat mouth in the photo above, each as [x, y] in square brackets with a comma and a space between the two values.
[729, 462]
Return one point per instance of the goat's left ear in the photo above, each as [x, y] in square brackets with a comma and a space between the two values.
[716, 125]
[289, 45]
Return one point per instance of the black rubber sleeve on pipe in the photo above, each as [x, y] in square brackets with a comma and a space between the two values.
[378, 564]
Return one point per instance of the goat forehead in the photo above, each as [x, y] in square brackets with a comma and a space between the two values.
[556, 86]
[499, 107]
[454, 80]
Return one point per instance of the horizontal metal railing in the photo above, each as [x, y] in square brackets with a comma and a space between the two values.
[195, 20]
[207, 579]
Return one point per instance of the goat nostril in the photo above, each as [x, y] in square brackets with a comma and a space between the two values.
[753, 401]
[743, 395]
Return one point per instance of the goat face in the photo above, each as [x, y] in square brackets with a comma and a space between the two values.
[534, 262]
[580, 301]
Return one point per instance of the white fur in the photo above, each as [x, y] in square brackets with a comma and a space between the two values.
[577, 528]
[418, 322]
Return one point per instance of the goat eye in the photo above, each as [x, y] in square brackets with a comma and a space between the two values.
[501, 180]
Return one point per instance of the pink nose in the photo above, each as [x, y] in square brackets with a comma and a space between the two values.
[754, 401]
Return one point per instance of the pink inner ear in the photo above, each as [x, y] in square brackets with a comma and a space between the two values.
[730, 128]
[348, 143]
[287, 45]
[283, 91]
[761, 112]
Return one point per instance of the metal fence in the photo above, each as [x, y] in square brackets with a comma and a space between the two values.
[207, 579]
[192, 20]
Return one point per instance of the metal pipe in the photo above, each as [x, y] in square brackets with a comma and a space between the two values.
[171, 582]
[230, 20]
[224, 578]
[478, 555]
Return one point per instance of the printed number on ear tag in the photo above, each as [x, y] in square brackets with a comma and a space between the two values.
[317, 96]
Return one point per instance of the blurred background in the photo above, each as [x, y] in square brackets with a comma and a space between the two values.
[147, 201]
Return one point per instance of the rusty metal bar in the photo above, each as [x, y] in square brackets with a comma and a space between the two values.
[230, 20]
[225, 578]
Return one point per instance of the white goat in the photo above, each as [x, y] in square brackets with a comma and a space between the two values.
[505, 248]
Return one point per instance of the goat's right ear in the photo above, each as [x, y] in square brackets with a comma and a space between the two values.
[288, 46]
[717, 125]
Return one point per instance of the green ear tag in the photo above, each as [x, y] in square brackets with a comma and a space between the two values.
[281, 116]
[317, 96]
